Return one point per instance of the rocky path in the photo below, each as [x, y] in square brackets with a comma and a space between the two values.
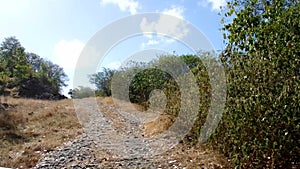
[114, 139]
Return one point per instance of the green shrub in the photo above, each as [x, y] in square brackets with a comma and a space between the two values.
[260, 126]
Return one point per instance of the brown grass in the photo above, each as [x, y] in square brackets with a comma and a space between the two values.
[158, 125]
[193, 156]
[106, 100]
[32, 127]
[110, 101]
[184, 155]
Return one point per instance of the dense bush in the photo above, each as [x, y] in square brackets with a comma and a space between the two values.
[260, 127]
[161, 74]
[144, 82]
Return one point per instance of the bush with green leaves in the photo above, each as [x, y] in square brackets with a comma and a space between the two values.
[161, 75]
[260, 127]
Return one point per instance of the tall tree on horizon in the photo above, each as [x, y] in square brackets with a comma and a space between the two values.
[21, 71]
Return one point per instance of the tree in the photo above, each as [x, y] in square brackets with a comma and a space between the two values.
[14, 55]
[260, 127]
[4, 78]
[47, 81]
[27, 73]
[35, 61]
[81, 92]
[16, 68]
[102, 81]
[55, 74]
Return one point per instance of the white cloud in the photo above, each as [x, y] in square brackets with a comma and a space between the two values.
[175, 11]
[66, 54]
[150, 42]
[124, 5]
[160, 40]
[215, 4]
[173, 28]
[165, 24]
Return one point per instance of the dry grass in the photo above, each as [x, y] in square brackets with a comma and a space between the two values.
[193, 156]
[31, 127]
[111, 102]
[106, 100]
[184, 154]
[158, 125]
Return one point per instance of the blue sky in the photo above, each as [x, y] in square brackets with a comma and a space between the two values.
[59, 29]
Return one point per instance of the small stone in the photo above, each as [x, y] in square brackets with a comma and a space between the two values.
[172, 161]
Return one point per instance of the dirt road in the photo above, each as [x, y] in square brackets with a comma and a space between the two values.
[115, 139]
